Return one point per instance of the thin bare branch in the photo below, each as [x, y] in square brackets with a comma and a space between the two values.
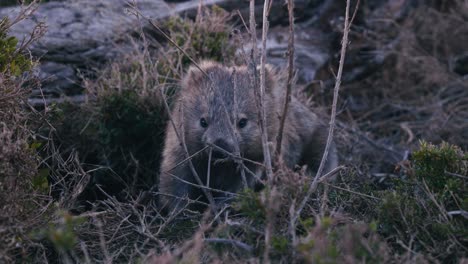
[263, 124]
[287, 98]
[315, 181]
[232, 242]
[456, 175]
[189, 157]
[137, 13]
[203, 187]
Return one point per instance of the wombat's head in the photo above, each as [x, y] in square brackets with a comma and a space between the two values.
[220, 109]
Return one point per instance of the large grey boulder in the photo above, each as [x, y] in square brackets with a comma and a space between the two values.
[80, 34]
[83, 35]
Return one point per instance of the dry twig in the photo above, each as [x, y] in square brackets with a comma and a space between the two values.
[287, 98]
[137, 13]
[315, 181]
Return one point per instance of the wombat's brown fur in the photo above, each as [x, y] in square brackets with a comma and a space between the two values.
[212, 109]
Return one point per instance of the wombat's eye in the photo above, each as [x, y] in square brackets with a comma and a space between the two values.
[203, 123]
[242, 123]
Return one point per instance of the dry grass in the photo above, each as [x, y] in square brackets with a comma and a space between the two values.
[414, 92]
[370, 214]
[20, 194]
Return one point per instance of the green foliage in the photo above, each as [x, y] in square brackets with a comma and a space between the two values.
[8, 3]
[203, 39]
[418, 209]
[40, 182]
[121, 131]
[208, 37]
[126, 120]
[432, 163]
[61, 232]
[12, 60]
[280, 245]
[359, 202]
[423, 208]
[21, 209]
[249, 204]
[320, 239]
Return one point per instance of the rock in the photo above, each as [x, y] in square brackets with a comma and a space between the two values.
[54, 76]
[278, 12]
[80, 34]
[311, 51]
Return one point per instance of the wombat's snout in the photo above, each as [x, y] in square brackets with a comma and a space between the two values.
[223, 144]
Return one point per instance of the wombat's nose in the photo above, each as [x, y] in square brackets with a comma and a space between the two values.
[223, 144]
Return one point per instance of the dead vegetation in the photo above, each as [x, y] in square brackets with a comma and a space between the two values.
[404, 86]
[81, 186]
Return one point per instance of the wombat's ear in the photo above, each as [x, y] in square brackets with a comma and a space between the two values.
[270, 78]
[193, 77]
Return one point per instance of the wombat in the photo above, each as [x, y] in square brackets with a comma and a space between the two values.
[216, 114]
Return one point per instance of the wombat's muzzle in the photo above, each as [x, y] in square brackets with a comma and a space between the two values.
[221, 149]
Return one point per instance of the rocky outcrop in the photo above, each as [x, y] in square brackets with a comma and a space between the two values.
[82, 35]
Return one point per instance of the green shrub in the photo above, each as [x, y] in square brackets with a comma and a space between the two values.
[122, 132]
[22, 208]
[434, 164]
[12, 60]
[421, 208]
[207, 37]
[250, 205]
